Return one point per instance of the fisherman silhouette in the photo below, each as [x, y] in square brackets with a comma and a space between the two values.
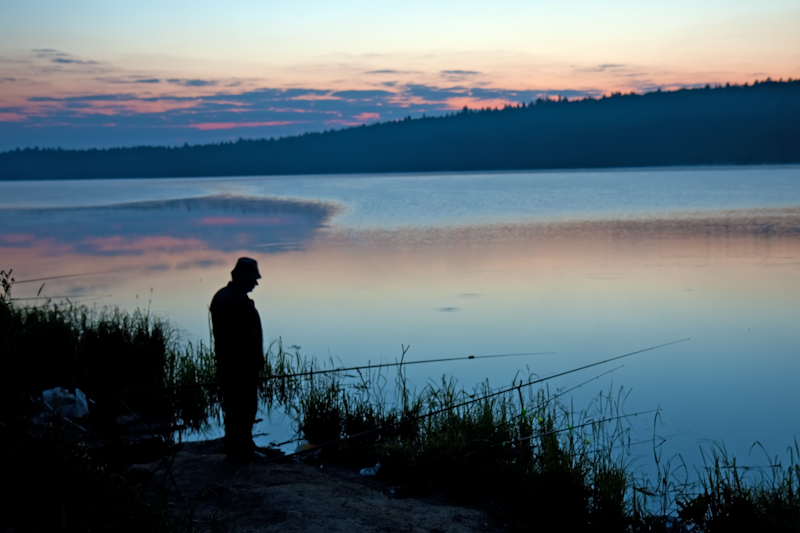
[239, 352]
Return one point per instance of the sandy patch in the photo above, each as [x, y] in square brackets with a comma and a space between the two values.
[301, 495]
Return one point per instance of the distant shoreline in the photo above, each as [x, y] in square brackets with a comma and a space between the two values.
[660, 168]
[757, 124]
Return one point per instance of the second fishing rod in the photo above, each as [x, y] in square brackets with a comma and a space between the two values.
[401, 363]
[312, 372]
[482, 398]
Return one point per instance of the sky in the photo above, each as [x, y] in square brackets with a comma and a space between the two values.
[96, 74]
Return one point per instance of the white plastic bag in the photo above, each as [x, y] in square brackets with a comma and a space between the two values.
[370, 470]
[68, 405]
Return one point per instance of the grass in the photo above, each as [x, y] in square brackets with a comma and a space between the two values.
[528, 455]
[99, 351]
[749, 498]
[57, 478]
[477, 447]
[531, 457]
[110, 354]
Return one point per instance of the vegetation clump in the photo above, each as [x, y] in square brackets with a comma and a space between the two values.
[530, 457]
[524, 454]
[59, 476]
[745, 498]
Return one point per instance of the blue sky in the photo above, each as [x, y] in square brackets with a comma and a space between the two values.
[97, 74]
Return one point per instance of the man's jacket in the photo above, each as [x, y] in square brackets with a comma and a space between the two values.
[238, 340]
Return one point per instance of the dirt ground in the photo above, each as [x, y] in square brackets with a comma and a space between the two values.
[293, 494]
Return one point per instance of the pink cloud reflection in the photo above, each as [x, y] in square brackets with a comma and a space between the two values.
[119, 243]
[252, 221]
[218, 221]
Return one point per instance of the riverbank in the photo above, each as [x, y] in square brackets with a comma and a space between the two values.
[303, 495]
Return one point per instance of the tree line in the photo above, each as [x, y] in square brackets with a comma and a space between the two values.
[724, 125]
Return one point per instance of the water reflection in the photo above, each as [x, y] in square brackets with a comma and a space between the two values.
[175, 226]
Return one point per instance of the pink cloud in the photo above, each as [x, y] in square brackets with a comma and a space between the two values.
[293, 110]
[11, 117]
[368, 116]
[315, 97]
[230, 125]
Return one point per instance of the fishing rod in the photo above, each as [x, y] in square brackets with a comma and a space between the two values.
[504, 391]
[496, 427]
[328, 371]
[570, 428]
[79, 298]
[551, 398]
[64, 276]
[401, 363]
[82, 300]
[661, 441]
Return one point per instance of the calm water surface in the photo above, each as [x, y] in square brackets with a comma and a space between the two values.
[585, 264]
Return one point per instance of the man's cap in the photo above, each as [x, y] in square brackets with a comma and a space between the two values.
[246, 267]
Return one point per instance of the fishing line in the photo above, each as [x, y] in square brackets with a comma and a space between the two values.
[329, 371]
[570, 428]
[662, 440]
[401, 363]
[79, 298]
[462, 404]
[551, 398]
[63, 276]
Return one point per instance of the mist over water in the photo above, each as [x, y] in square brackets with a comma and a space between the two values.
[587, 265]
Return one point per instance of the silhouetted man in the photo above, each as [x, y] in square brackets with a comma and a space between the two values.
[239, 351]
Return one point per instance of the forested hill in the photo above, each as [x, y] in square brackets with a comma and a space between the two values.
[731, 125]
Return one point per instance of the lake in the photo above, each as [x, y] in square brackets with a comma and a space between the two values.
[585, 264]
